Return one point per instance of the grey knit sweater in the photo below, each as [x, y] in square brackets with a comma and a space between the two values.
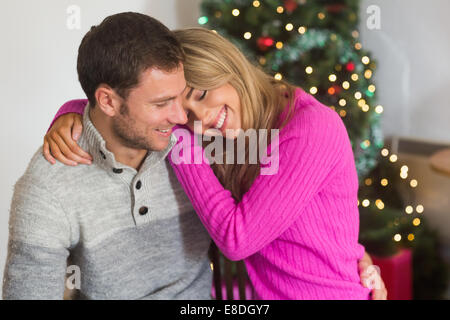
[131, 235]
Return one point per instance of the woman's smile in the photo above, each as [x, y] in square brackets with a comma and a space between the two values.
[220, 120]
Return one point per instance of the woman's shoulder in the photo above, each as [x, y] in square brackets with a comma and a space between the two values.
[312, 115]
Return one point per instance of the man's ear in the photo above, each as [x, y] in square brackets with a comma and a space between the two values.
[108, 100]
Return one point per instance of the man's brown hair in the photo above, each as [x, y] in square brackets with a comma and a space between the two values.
[119, 49]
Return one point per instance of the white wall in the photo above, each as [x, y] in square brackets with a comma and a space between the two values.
[413, 52]
[38, 70]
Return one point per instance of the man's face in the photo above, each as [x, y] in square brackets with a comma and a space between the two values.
[151, 110]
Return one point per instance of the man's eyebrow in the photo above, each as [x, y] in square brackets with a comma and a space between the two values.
[163, 99]
[189, 93]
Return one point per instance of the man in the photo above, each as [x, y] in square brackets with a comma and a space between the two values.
[124, 222]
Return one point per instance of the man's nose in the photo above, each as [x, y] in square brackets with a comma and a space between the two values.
[178, 114]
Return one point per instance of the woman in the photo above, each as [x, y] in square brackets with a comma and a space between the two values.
[297, 229]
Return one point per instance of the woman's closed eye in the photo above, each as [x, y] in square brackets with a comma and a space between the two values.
[203, 95]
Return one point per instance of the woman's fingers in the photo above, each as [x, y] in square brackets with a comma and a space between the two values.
[67, 152]
[59, 156]
[76, 153]
[46, 152]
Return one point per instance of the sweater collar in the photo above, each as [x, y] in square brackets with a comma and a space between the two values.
[92, 141]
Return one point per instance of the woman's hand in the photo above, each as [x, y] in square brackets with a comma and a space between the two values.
[60, 142]
[370, 278]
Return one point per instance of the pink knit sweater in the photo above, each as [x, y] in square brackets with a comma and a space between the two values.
[296, 230]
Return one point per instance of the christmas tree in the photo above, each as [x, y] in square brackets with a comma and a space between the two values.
[315, 45]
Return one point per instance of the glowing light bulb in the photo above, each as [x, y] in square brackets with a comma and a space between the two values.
[256, 4]
[379, 109]
[419, 208]
[413, 183]
[379, 204]
[309, 70]
[247, 35]
[301, 30]
[365, 60]
[278, 76]
[203, 20]
[332, 77]
[346, 85]
[397, 237]
[235, 12]
[409, 209]
[385, 152]
[289, 27]
[313, 90]
[365, 144]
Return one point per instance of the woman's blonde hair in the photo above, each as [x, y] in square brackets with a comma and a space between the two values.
[213, 61]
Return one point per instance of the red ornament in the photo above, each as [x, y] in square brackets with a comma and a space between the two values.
[335, 8]
[337, 89]
[290, 5]
[264, 43]
[350, 66]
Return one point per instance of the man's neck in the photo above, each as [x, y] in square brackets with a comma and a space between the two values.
[127, 156]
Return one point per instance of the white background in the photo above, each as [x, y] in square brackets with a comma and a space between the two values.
[38, 70]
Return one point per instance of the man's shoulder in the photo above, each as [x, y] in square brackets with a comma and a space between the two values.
[40, 171]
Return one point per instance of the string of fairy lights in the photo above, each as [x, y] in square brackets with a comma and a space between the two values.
[409, 209]
[336, 85]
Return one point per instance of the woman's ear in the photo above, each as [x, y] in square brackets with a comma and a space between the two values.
[108, 100]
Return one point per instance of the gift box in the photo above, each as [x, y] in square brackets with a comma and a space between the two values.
[396, 272]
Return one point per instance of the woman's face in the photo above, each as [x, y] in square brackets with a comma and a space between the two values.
[218, 110]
